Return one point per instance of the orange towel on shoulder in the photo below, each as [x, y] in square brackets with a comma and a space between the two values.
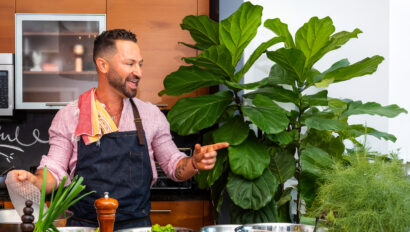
[93, 121]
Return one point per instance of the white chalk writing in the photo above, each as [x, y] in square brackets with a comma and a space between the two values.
[19, 145]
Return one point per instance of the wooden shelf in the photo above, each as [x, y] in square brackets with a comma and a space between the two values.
[93, 34]
[60, 73]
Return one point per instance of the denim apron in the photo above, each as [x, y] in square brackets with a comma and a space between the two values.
[119, 164]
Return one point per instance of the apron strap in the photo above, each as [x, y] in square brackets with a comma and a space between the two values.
[138, 123]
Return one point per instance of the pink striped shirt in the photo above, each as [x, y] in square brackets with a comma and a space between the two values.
[63, 146]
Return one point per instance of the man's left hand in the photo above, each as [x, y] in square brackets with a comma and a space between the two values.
[204, 157]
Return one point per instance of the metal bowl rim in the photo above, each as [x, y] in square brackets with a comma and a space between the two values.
[148, 228]
[275, 224]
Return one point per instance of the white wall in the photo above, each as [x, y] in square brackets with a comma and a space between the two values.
[399, 73]
[373, 18]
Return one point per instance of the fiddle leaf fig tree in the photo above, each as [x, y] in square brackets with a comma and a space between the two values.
[300, 141]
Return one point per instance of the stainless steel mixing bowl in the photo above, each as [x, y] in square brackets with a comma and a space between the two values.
[220, 228]
[277, 227]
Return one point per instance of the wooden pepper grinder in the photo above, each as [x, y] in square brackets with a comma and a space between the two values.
[27, 218]
[106, 208]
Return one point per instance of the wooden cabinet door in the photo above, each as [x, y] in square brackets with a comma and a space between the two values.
[8, 205]
[7, 8]
[188, 214]
[157, 26]
[61, 6]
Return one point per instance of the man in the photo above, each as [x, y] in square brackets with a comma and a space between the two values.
[110, 138]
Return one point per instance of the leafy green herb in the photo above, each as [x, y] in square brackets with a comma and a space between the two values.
[60, 201]
[366, 196]
[158, 228]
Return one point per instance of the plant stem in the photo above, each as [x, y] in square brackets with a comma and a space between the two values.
[298, 166]
[238, 104]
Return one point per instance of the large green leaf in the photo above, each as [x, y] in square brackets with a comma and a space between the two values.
[281, 29]
[216, 172]
[308, 189]
[194, 46]
[361, 68]
[218, 190]
[202, 29]
[359, 130]
[202, 179]
[335, 147]
[317, 99]
[283, 166]
[269, 213]
[313, 36]
[237, 31]
[228, 114]
[235, 131]
[373, 108]
[320, 123]
[314, 160]
[187, 79]
[284, 137]
[335, 42]
[217, 59]
[252, 85]
[190, 60]
[326, 141]
[310, 76]
[190, 115]
[265, 114]
[337, 65]
[337, 106]
[276, 93]
[285, 197]
[255, 55]
[278, 75]
[252, 194]
[292, 60]
[250, 158]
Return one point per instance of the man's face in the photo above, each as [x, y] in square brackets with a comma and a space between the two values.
[125, 68]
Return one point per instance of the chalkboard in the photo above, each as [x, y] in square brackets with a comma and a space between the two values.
[24, 139]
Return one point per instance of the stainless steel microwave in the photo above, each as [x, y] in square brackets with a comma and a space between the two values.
[6, 84]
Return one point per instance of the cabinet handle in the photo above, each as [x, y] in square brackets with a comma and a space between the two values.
[162, 105]
[56, 103]
[160, 211]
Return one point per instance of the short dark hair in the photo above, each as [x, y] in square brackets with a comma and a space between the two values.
[106, 40]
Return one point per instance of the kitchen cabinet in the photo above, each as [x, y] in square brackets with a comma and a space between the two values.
[157, 26]
[61, 6]
[7, 8]
[190, 214]
[7, 205]
[53, 60]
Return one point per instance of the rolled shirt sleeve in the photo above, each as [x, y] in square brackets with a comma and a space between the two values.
[165, 150]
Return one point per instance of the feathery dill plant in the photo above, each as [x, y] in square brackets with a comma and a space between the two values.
[368, 195]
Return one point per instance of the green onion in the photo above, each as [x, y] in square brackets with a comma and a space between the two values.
[60, 201]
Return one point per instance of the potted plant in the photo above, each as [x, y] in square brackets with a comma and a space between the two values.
[297, 142]
[364, 195]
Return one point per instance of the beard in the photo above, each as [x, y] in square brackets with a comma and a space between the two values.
[115, 80]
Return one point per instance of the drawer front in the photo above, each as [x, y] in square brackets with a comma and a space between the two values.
[189, 214]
